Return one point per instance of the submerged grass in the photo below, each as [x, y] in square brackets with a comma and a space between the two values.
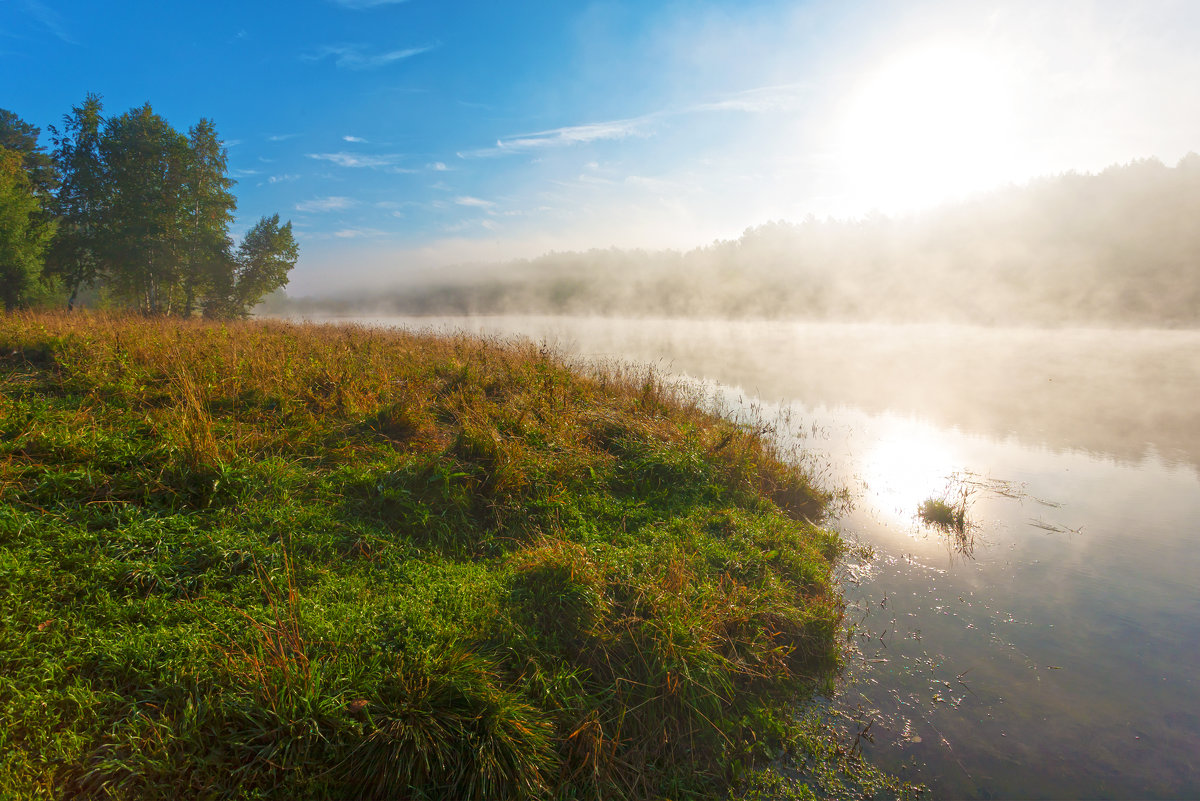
[264, 560]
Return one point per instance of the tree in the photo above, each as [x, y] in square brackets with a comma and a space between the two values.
[142, 211]
[76, 250]
[145, 211]
[264, 259]
[21, 137]
[209, 207]
[23, 236]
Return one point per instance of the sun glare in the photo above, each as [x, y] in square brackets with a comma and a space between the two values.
[926, 125]
[907, 464]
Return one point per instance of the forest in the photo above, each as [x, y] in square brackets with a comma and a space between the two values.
[131, 213]
[1119, 247]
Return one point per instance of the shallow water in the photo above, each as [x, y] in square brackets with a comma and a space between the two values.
[1050, 650]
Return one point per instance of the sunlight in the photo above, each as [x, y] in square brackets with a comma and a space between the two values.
[908, 463]
[929, 124]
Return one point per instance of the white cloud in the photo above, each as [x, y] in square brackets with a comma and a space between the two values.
[569, 135]
[344, 159]
[50, 19]
[356, 57]
[437, 166]
[355, 139]
[785, 97]
[282, 137]
[355, 233]
[279, 179]
[360, 4]
[333, 203]
[474, 202]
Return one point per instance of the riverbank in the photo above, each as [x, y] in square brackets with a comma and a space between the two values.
[275, 560]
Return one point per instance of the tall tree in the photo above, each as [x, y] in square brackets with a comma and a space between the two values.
[23, 236]
[76, 251]
[264, 259]
[209, 207]
[21, 137]
[145, 213]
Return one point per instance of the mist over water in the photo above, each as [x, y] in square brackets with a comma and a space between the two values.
[1112, 249]
[1049, 651]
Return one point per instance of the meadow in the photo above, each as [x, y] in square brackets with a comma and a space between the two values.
[265, 559]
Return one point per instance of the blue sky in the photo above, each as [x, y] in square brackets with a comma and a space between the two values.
[399, 136]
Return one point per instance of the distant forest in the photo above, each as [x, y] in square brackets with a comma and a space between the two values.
[1118, 247]
[132, 214]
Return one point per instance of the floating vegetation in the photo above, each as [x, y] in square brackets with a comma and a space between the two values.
[951, 519]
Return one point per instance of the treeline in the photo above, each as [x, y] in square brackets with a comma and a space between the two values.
[1118, 247]
[133, 212]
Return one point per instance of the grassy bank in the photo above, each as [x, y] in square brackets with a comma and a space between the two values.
[270, 560]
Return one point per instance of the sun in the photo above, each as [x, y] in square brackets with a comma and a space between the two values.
[928, 124]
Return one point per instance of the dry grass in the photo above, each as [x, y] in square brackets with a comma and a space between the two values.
[336, 561]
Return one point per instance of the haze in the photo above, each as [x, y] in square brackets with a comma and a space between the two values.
[404, 136]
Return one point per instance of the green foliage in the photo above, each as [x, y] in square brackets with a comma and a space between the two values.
[939, 512]
[264, 258]
[21, 137]
[76, 250]
[259, 560]
[208, 213]
[23, 235]
[145, 161]
[143, 215]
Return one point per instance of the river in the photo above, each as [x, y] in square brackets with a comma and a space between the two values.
[1049, 649]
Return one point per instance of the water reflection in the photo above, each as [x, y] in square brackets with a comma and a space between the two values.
[905, 463]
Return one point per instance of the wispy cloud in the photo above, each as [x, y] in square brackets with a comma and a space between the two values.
[50, 19]
[355, 233]
[244, 173]
[360, 4]
[437, 166]
[343, 159]
[279, 179]
[282, 137]
[569, 135]
[355, 139]
[332, 203]
[474, 202]
[357, 57]
[575, 134]
[463, 226]
[783, 97]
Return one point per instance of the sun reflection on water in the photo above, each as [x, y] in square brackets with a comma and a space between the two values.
[907, 463]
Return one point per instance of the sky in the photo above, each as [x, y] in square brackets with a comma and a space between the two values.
[399, 136]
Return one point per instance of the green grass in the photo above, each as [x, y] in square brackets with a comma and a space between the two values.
[939, 512]
[265, 560]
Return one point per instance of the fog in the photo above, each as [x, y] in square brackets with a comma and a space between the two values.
[1115, 248]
